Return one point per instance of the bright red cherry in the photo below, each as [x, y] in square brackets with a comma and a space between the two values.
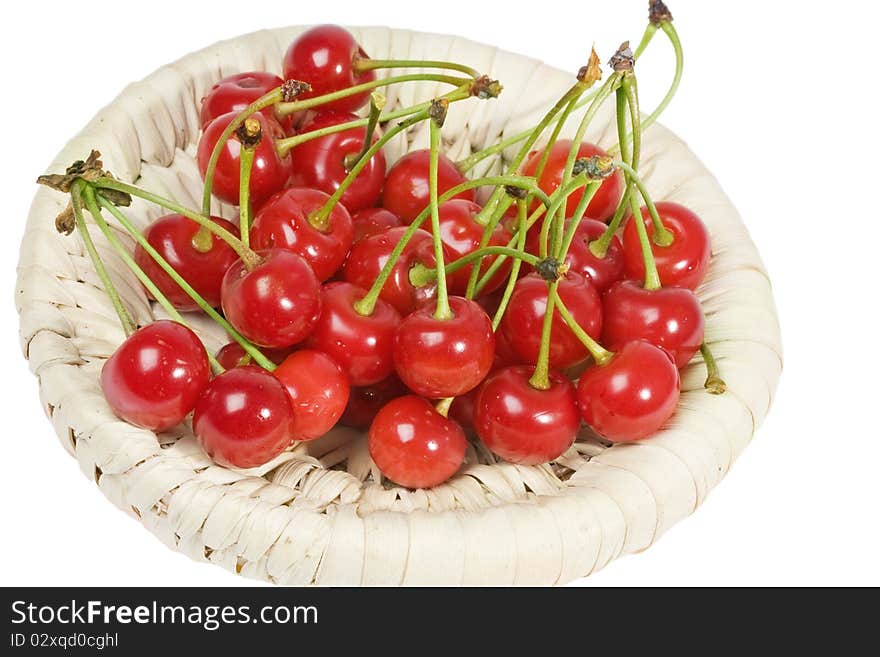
[407, 192]
[631, 396]
[277, 303]
[413, 445]
[684, 262]
[321, 163]
[244, 418]
[318, 390]
[439, 358]
[324, 57]
[282, 222]
[369, 255]
[270, 172]
[523, 321]
[364, 402]
[172, 236]
[235, 92]
[361, 344]
[523, 424]
[155, 377]
[608, 196]
[670, 318]
[233, 354]
[372, 221]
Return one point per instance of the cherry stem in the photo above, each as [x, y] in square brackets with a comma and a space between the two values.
[244, 194]
[714, 383]
[363, 64]
[666, 236]
[438, 116]
[76, 198]
[485, 238]
[599, 246]
[522, 211]
[443, 406]
[377, 104]
[209, 310]
[560, 198]
[599, 353]
[568, 237]
[541, 377]
[420, 275]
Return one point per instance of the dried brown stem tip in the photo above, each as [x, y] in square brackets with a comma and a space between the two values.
[437, 111]
[516, 192]
[592, 72]
[658, 12]
[597, 167]
[484, 87]
[623, 59]
[550, 269]
[293, 89]
[250, 133]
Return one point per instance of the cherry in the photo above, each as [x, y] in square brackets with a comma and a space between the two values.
[406, 191]
[372, 221]
[244, 418]
[464, 407]
[439, 358]
[324, 57]
[608, 196]
[523, 424]
[318, 390]
[284, 222]
[364, 402]
[235, 92]
[524, 319]
[361, 344]
[369, 255]
[270, 171]
[172, 236]
[669, 317]
[684, 262]
[277, 303]
[632, 395]
[155, 377]
[321, 162]
[233, 355]
[413, 445]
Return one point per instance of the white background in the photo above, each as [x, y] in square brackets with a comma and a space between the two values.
[778, 99]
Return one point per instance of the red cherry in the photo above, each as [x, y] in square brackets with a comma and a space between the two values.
[277, 303]
[608, 196]
[602, 272]
[369, 255]
[244, 418]
[684, 262]
[270, 172]
[631, 396]
[155, 377]
[464, 407]
[670, 318]
[439, 358]
[372, 221]
[172, 236]
[318, 390]
[523, 321]
[413, 445]
[283, 223]
[235, 92]
[364, 402]
[407, 192]
[323, 56]
[361, 344]
[523, 424]
[320, 163]
[233, 355]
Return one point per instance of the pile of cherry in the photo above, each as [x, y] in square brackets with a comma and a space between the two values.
[388, 299]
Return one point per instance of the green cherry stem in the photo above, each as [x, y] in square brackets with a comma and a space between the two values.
[377, 104]
[541, 376]
[714, 383]
[666, 236]
[522, 211]
[420, 275]
[652, 277]
[485, 238]
[597, 351]
[438, 116]
[363, 64]
[246, 157]
[568, 236]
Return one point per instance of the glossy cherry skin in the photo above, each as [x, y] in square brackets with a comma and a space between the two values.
[364, 402]
[172, 236]
[320, 162]
[155, 377]
[608, 196]
[631, 396]
[282, 222]
[670, 318]
[413, 445]
[369, 255]
[523, 321]
[372, 221]
[276, 304]
[684, 262]
[361, 344]
[235, 92]
[323, 56]
[318, 390]
[270, 171]
[439, 358]
[244, 419]
[523, 424]
[407, 192]
[233, 355]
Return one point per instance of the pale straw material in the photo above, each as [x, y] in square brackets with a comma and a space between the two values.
[320, 514]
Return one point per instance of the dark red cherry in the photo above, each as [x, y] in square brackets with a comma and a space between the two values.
[324, 57]
[233, 354]
[684, 262]
[318, 390]
[277, 303]
[235, 92]
[244, 418]
[372, 221]
[413, 445]
[523, 424]
[361, 344]
[407, 191]
[154, 378]
[364, 402]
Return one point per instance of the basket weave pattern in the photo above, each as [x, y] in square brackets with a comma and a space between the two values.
[321, 513]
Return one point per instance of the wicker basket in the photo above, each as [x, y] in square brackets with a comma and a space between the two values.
[320, 513]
